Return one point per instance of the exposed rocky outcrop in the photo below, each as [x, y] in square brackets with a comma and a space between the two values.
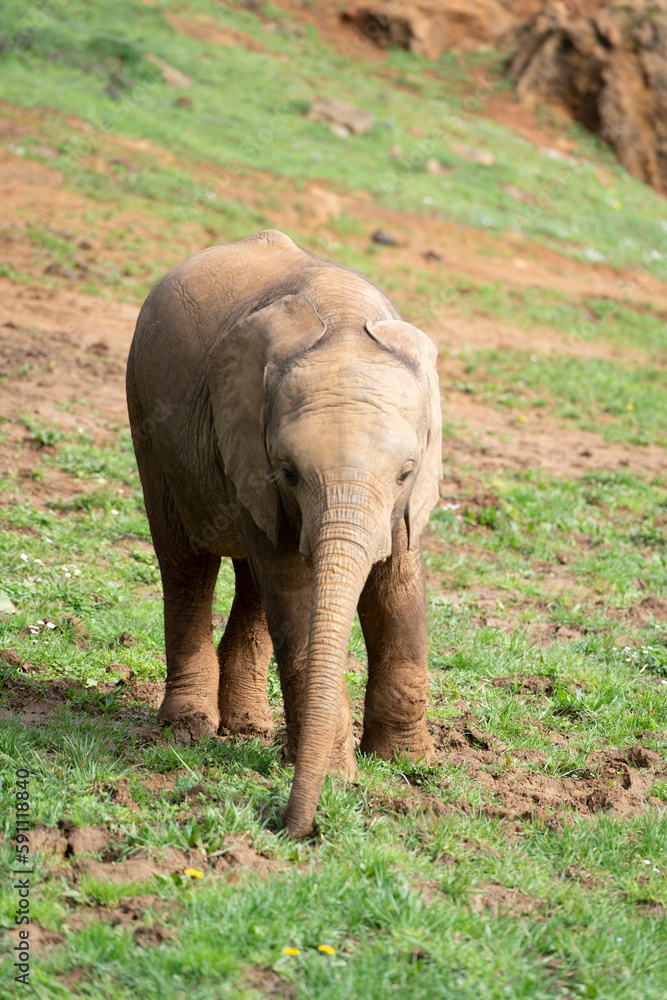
[610, 71]
[431, 27]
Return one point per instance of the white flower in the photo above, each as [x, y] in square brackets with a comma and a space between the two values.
[114, 511]
[77, 572]
[24, 557]
[50, 625]
[68, 574]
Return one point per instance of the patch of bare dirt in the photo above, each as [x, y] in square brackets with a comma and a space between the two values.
[266, 983]
[122, 796]
[340, 36]
[130, 912]
[413, 805]
[40, 939]
[159, 783]
[38, 701]
[492, 438]
[67, 840]
[614, 781]
[649, 608]
[206, 29]
[237, 856]
[536, 684]
[141, 869]
[497, 899]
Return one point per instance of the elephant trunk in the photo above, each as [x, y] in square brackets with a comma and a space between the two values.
[343, 549]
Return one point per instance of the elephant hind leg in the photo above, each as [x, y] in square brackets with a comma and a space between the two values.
[244, 654]
[188, 582]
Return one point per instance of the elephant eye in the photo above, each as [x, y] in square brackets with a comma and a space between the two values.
[404, 475]
[289, 474]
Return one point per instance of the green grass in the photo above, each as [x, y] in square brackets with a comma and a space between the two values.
[595, 320]
[624, 402]
[357, 887]
[87, 60]
[538, 577]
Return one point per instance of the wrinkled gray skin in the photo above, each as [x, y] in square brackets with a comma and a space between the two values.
[283, 415]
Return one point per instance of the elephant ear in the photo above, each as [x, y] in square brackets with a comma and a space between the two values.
[408, 342]
[235, 376]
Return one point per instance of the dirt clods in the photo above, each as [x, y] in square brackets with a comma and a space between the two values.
[650, 607]
[536, 684]
[239, 854]
[141, 913]
[40, 938]
[67, 840]
[141, 870]
[87, 840]
[266, 983]
[47, 840]
[615, 781]
[497, 899]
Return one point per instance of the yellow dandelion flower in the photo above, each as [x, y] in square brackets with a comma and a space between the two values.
[631, 406]
[193, 873]
[291, 951]
[327, 949]
[522, 419]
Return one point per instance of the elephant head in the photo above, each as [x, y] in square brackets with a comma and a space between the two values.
[336, 426]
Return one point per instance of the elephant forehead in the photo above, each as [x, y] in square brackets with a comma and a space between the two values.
[325, 381]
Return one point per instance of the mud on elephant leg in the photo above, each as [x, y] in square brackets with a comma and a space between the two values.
[244, 655]
[287, 602]
[188, 582]
[191, 697]
[392, 612]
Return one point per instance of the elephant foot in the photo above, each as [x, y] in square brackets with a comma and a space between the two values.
[190, 717]
[386, 742]
[254, 719]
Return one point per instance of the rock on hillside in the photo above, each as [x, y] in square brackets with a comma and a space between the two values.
[610, 72]
[431, 27]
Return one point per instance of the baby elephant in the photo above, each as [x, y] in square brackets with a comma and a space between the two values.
[285, 416]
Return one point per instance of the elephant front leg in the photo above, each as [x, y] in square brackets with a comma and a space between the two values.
[244, 655]
[392, 612]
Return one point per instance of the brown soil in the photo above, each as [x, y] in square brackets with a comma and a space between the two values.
[536, 684]
[35, 700]
[266, 983]
[40, 938]
[614, 781]
[497, 899]
[141, 869]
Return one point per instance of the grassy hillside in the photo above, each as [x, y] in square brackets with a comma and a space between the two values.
[528, 861]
